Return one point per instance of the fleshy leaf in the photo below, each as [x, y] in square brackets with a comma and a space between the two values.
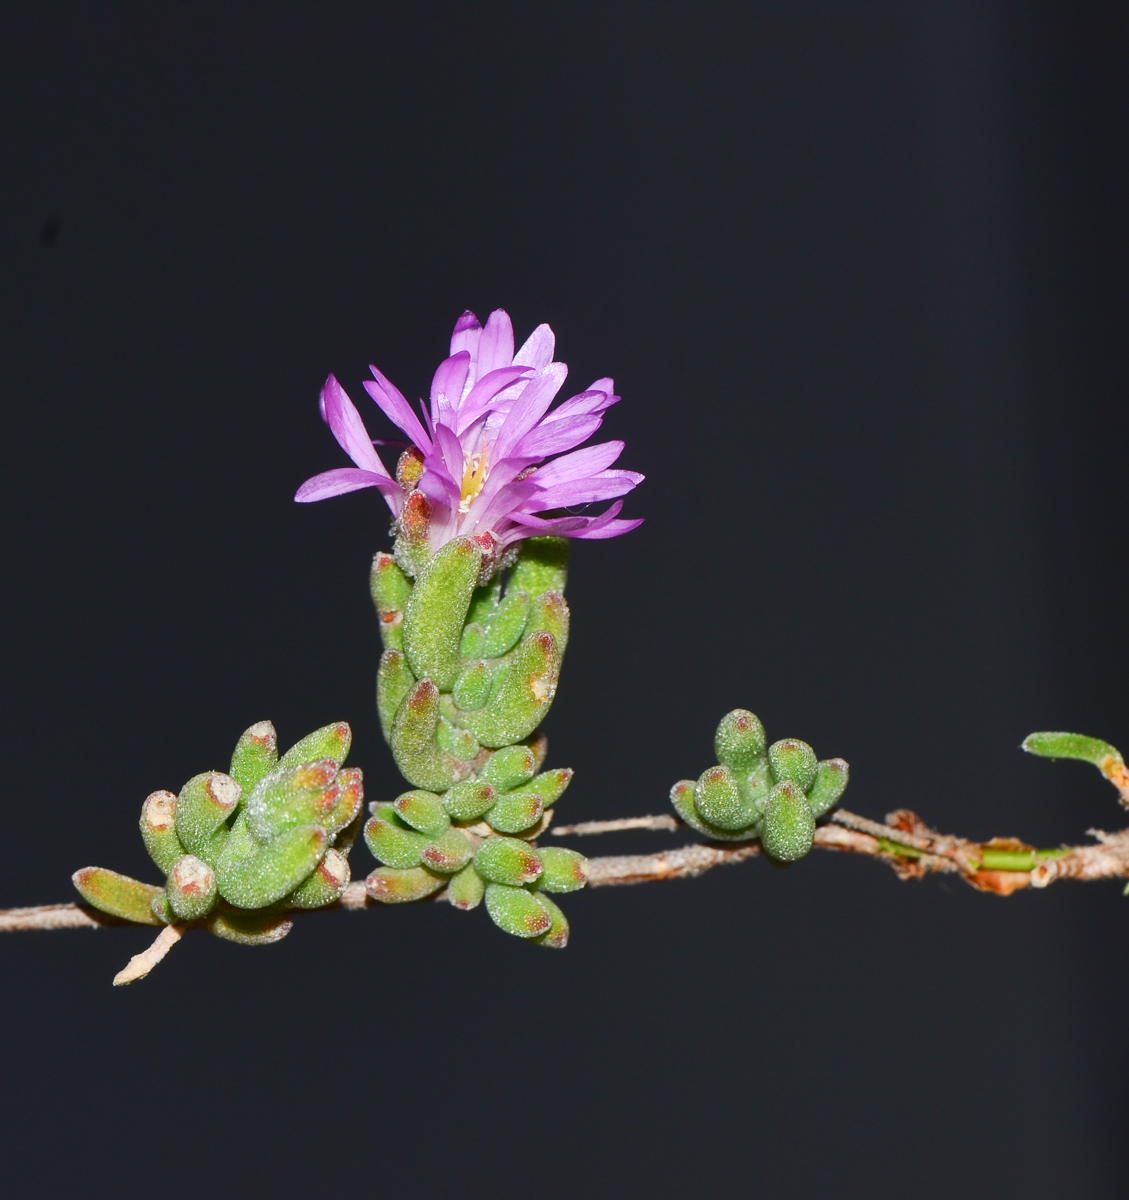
[508, 860]
[740, 740]
[158, 829]
[437, 609]
[256, 754]
[118, 895]
[191, 888]
[331, 741]
[517, 911]
[789, 823]
[421, 760]
[390, 589]
[1072, 745]
[202, 808]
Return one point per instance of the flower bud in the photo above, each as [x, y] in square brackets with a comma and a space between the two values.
[517, 911]
[740, 741]
[507, 860]
[191, 888]
[158, 829]
[794, 760]
[564, 870]
[256, 755]
[789, 824]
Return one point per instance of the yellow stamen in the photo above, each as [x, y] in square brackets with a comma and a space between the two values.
[473, 478]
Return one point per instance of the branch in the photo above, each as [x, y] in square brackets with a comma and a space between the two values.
[904, 842]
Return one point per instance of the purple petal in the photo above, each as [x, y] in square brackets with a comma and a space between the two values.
[392, 403]
[496, 345]
[529, 407]
[349, 429]
[580, 464]
[447, 387]
[504, 502]
[450, 450]
[587, 491]
[466, 333]
[437, 485]
[479, 398]
[557, 437]
[585, 403]
[537, 351]
[563, 525]
[346, 479]
[610, 530]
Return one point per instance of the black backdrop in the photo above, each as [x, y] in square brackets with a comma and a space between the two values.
[859, 271]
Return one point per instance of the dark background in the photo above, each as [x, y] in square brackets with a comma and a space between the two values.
[859, 271]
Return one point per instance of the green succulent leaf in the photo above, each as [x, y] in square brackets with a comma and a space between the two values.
[202, 809]
[516, 911]
[191, 888]
[392, 886]
[437, 609]
[390, 589]
[1072, 745]
[118, 895]
[158, 829]
[256, 754]
[331, 741]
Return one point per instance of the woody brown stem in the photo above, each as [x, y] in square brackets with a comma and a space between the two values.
[904, 842]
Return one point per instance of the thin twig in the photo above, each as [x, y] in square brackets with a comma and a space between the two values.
[904, 842]
[141, 964]
[54, 916]
[666, 821]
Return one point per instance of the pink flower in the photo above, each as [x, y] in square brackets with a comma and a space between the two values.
[481, 449]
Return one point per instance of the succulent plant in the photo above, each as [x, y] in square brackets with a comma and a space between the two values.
[469, 671]
[774, 793]
[241, 850]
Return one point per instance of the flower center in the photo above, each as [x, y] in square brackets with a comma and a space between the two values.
[473, 478]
